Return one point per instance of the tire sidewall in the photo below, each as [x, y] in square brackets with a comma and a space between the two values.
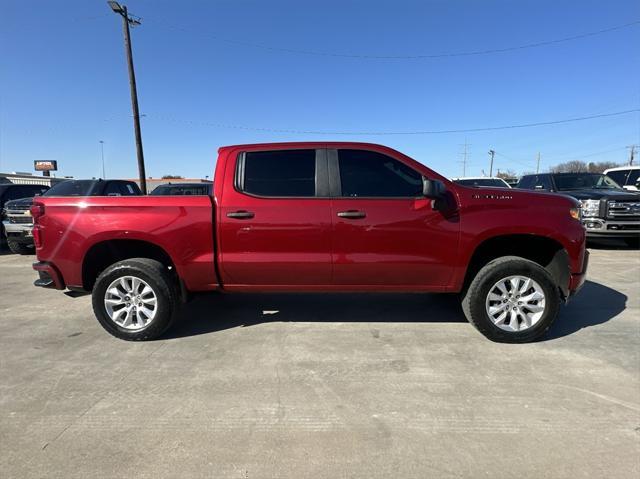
[20, 248]
[501, 271]
[164, 305]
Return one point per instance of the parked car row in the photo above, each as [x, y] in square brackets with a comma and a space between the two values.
[16, 201]
[607, 210]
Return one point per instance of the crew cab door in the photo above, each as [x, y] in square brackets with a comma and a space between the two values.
[385, 233]
[275, 220]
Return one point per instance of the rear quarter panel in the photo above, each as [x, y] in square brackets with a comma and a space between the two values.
[181, 225]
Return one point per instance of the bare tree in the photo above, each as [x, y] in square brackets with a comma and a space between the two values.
[578, 166]
[172, 177]
[507, 174]
[573, 166]
[600, 166]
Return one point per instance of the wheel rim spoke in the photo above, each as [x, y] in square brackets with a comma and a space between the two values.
[130, 302]
[515, 303]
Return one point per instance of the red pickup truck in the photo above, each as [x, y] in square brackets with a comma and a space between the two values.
[317, 217]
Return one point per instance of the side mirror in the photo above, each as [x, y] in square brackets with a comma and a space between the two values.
[433, 189]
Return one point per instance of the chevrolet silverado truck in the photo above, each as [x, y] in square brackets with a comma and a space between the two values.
[317, 217]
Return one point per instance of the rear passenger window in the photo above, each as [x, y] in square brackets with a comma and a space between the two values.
[280, 173]
[126, 189]
[112, 189]
[526, 182]
[543, 183]
[370, 174]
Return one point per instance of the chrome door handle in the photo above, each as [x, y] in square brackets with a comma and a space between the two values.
[241, 215]
[352, 214]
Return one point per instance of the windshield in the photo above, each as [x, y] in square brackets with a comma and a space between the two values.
[581, 181]
[492, 182]
[75, 188]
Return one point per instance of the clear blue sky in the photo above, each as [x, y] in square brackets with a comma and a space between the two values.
[64, 81]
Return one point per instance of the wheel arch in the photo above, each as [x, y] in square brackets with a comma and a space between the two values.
[103, 254]
[547, 252]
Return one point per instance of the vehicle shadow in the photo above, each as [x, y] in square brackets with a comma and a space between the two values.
[209, 313]
[594, 304]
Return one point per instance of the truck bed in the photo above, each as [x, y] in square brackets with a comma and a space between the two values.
[182, 226]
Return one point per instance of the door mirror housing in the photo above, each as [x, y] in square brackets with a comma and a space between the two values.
[433, 189]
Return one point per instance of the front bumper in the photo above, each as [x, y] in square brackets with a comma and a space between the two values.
[22, 229]
[49, 276]
[576, 281]
[608, 228]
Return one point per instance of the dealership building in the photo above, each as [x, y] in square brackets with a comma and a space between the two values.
[22, 178]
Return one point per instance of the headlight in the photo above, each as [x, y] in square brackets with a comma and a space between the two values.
[575, 213]
[590, 208]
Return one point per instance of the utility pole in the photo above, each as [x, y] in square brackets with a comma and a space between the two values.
[127, 20]
[632, 152]
[538, 164]
[492, 153]
[464, 158]
[102, 153]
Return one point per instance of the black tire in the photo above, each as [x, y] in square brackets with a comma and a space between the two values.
[163, 284]
[21, 248]
[475, 297]
[633, 242]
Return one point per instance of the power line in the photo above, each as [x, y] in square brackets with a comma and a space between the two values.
[409, 57]
[390, 133]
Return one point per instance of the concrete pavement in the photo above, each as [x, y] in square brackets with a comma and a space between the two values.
[323, 386]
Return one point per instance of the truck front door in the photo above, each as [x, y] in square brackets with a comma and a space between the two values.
[385, 233]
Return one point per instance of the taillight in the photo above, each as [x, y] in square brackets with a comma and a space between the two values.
[37, 210]
[37, 236]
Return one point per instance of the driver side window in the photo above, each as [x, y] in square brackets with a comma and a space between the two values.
[375, 175]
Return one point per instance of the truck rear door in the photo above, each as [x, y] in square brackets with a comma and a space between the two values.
[275, 220]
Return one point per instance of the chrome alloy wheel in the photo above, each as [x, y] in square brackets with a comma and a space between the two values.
[515, 303]
[130, 302]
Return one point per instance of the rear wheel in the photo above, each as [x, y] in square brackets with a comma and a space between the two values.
[512, 300]
[20, 248]
[135, 299]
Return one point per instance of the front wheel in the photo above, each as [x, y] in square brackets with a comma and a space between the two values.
[135, 299]
[512, 300]
[633, 242]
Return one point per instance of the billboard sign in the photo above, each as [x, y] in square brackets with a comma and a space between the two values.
[45, 165]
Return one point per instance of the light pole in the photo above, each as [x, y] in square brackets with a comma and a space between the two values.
[102, 153]
[126, 21]
[491, 153]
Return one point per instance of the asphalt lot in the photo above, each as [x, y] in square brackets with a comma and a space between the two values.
[323, 386]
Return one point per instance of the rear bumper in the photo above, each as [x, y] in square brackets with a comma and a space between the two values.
[576, 281]
[49, 276]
